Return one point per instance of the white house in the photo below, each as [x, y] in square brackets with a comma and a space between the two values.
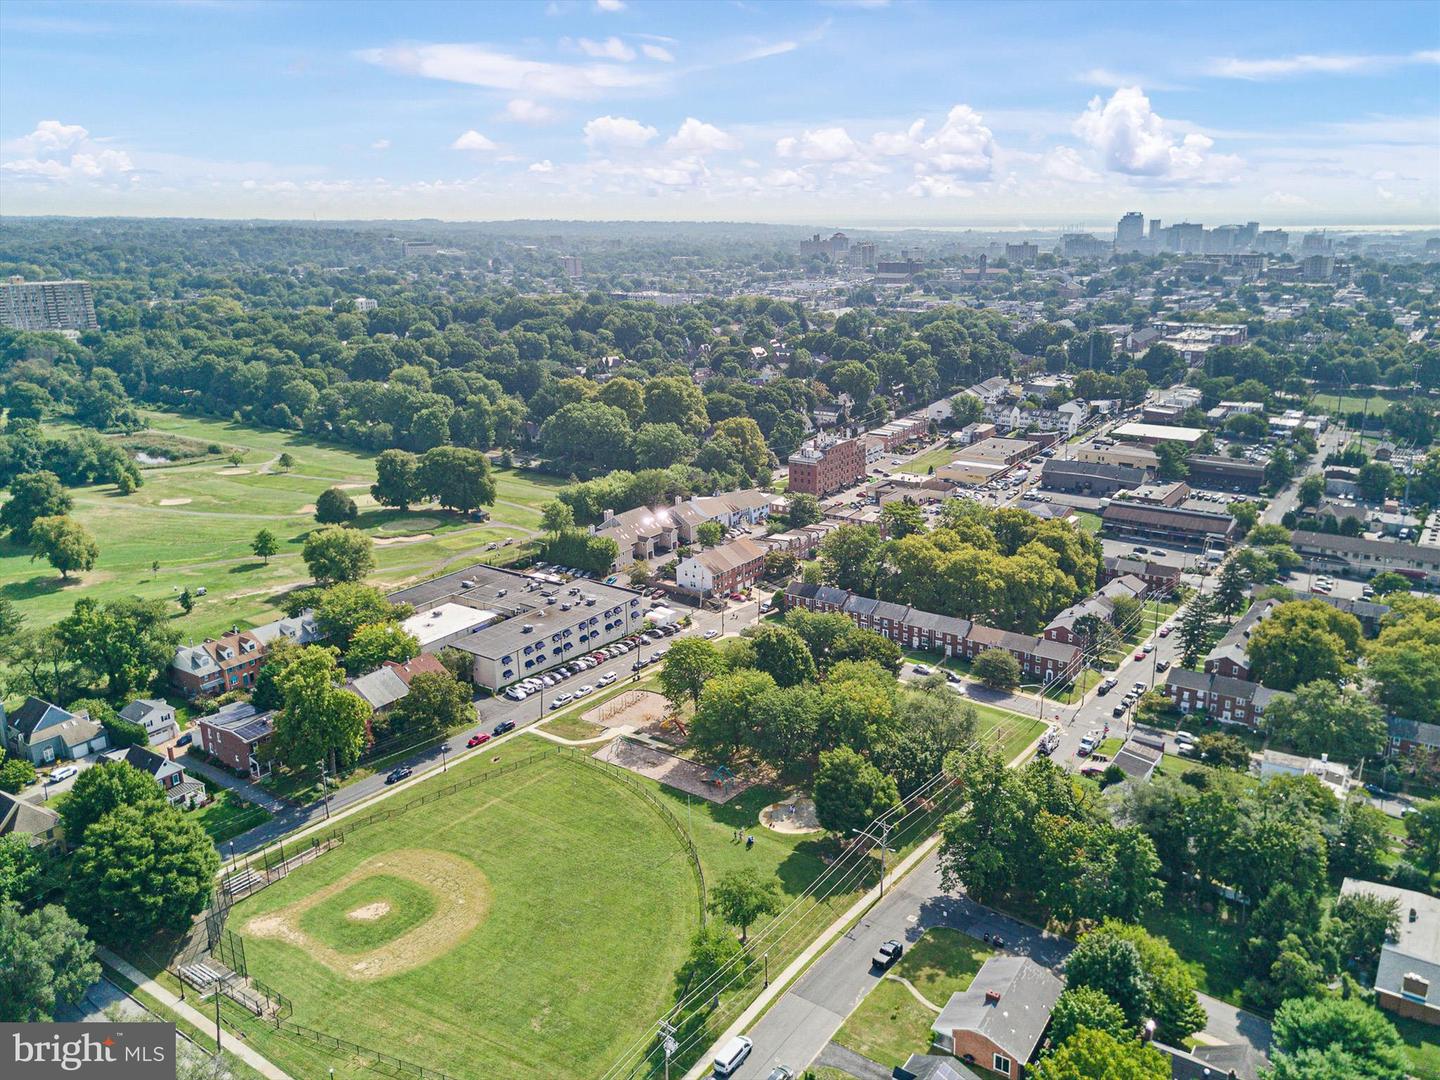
[157, 717]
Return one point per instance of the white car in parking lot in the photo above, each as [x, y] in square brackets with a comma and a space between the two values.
[606, 679]
[586, 689]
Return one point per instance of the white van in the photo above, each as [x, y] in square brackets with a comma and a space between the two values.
[732, 1055]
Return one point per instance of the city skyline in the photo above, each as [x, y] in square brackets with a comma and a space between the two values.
[871, 113]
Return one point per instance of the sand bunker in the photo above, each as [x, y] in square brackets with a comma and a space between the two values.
[308, 508]
[231, 472]
[793, 816]
[370, 912]
[462, 900]
[173, 502]
[386, 541]
[353, 487]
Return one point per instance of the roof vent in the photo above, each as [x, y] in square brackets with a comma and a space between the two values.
[992, 997]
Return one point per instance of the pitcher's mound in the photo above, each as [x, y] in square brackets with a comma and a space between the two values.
[795, 815]
[370, 912]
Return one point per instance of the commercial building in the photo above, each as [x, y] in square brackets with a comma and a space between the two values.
[1154, 434]
[572, 266]
[1169, 525]
[534, 622]
[826, 465]
[1135, 457]
[1224, 473]
[724, 569]
[47, 305]
[1328, 552]
[1407, 979]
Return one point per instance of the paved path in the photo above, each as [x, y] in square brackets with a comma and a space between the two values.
[251, 793]
[238, 1047]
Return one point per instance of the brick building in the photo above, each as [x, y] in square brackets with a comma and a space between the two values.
[234, 736]
[1223, 699]
[824, 466]
[724, 569]
[997, 1023]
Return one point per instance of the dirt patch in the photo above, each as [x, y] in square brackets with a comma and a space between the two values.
[370, 912]
[232, 472]
[634, 708]
[353, 487]
[462, 900]
[793, 816]
[308, 508]
[668, 769]
[386, 541]
[173, 502]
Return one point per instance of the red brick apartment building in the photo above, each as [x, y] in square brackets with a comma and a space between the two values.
[824, 466]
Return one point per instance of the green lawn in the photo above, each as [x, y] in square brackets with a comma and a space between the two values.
[196, 518]
[552, 981]
[1423, 1042]
[1091, 523]
[931, 459]
[405, 905]
[1209, 945]
[227, 815]
[1344, 403]
[890, 1023]
[570, 726]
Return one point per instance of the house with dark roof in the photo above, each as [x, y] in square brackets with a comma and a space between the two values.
[1240, 1061]
[234, 735]
[390, 682]
[1230, 657]
[170, 775]
[1226, 700]
[1138, 760]
[932, 1067]
[1161, 577]
[998, 1022]
[1407, 735]
[43, 733]
[155, 715]
[21, 818]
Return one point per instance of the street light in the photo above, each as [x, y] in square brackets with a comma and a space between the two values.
[444, 759]
[324, 788]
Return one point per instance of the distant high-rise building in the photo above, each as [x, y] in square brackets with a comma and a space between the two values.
[1083, 246]
[420, 247]
[1156, 227]
[1273, 241]
[1315, 243]
[1249, 233]
[1022, 254]
[1187, 237]
[1130, 231]
[1319, 268]
[572, 266]
[47, 305]
[862, 254]
[836, 244]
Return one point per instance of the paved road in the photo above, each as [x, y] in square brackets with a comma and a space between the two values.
[489, 712]
[806, 1017]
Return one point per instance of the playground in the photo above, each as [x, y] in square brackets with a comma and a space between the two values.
[635, 709]
[716, 785]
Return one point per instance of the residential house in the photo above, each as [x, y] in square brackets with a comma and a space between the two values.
[178, 787]
[1159, 577]
[1407, 979]
[155, 715]
[231, 661]
[234, 736]
[387, 684]
[21, 818]
[724, 569]
[1139, 758]
[1227, 700]
[1230, 657]
[1337, 777]
[998, 1022]
[1412, 735]
[43, 733]
[932, 1067]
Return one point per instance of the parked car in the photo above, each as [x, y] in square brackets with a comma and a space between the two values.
[1165, 630]
[887, 954]
[780, 1072]
[65, 772]
[503, 727]
[396, 775]
[606, 679]
[480, 738]
[1119, 710]
[584, 690]
[1163, 665]
[731, 1056]
[561, 700]
[1139, 654]
[922, 669]
[1089, 743]
[711, 632]
[1105, 687]
[953, 676]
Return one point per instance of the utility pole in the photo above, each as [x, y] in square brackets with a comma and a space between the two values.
[324, 788]
[667, 1031]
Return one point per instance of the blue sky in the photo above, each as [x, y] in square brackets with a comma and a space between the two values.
[849, 112]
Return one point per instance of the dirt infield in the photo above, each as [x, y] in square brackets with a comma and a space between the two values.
[670, 770]
[462, 899]
[635, 708]
[794, 816]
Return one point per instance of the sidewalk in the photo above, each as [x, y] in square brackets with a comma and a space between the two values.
[182, 1009]
[251, 793]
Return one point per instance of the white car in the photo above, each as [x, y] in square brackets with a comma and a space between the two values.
[711, 633]
[65, 772]
[516, 694]
[922, 669]
[561, 700]
[586, 689]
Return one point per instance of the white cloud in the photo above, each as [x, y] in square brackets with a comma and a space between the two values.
[821, 144]
[609, 6]
[542, 166]
[760, 52]
[59, 152]
[525, 111]
[1065, 163]
[483, 65]
[658, 52]
[939, 187]
[617, 131]
[380, 144]
[473, 140]
[1284, 67]
[963, 146]
[697, 137]
[50, 135]
[612, 48]
[1131, 138]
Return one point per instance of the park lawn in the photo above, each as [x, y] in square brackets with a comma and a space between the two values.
[932, 459]
[571, 726]
[890, 1024]
[1210, 946]
[227, 815]
[1337, 402]
[554, 979]
[409, 905]
[1423, 1044]
[1008, 733]
[196, 519]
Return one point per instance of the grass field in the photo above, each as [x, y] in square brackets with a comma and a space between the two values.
[931, 459]
[550, 981]
[890, 1023]
[197, 518]
[1346, 403]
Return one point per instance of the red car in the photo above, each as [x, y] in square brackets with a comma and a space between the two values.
[479, 738]
[1165, 631]
[1139, 654]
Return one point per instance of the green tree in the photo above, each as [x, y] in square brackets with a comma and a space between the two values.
[1362, 922]
[16, 774]
[709, 533]
[1194, 630]
[436, 703]
[902, 519]
[1084, 1006]
[1174, 1004]
[1312, 490]
[1389, 582]
[557, 517]
[397, 480]
[1098, 1055]
[1224, 751]
[101, 790]
[659, 446]
[782, 653]
[265, 545]
[997, 669]
[48, 962]
[335, 554]
[33, 495]
[285, 461]
[457, 478]
[335, 507]
[742, 896]
[127, 642]
[65, 544]
[318, 719]
[344, 608]
[1302, 642]
[1322, 718]
[376, 643]
[849, 557]
[1112, 965]
[1324, 1025]
[1423, 830]
[713, 949]
[1375, 481]
[688, 665]
[186, 601]
[141, 869]
[1359, 839]
[723, 720]
[20, 866]
[1230, 588]
[803, 509]
[1172, 460]
[850, 792]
